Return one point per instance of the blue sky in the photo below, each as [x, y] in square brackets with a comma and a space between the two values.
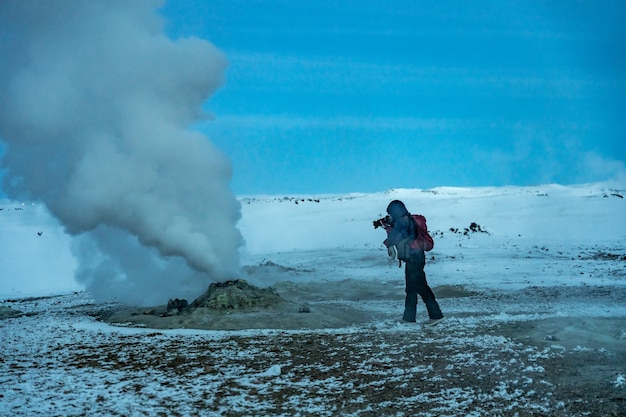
[362, 96]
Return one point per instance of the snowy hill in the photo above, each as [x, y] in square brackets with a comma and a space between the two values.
[542, 213]
[517, 222]
[35, 255]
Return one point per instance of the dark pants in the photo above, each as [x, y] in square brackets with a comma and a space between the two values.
[416, 284]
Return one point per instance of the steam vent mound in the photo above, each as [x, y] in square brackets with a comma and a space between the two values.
[237, 305]
[236, 295]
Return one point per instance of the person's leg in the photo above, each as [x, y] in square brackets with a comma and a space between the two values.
[434, 312]
[410, 307]
[418, 261]
[410, 301]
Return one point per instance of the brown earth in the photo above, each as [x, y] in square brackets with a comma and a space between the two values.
[476, 362]
[575, 362]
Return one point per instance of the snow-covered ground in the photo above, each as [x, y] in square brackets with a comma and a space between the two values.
[535, 302]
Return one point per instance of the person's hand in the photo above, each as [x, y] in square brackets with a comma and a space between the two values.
[391, 250]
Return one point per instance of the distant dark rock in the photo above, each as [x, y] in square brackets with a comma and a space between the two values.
[176, 306]
[473, 228]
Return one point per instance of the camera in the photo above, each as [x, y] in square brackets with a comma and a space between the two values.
[379, 223]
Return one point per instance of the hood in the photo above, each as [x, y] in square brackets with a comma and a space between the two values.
[397, 209]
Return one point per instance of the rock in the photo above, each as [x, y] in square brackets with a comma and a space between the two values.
[236, 294]
[176, 306]
[7, 312]
[305, 308]
[274, 370]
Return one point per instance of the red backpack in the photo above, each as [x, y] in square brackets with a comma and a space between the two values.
[423, 240]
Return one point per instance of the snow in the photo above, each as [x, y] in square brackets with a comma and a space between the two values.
[544, 286]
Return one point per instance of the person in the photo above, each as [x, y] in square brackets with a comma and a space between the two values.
[400, 225]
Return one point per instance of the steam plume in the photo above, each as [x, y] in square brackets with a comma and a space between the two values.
[95, 102]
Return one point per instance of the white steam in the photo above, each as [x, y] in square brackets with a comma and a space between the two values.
[95, 102]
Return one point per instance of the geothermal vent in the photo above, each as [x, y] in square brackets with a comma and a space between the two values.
[236, 295]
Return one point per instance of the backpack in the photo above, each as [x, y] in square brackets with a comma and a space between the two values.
[422, 241]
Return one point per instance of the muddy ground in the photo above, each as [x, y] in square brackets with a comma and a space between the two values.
[538, 351]
[525, 352]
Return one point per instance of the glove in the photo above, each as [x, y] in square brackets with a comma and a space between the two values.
[391, 250]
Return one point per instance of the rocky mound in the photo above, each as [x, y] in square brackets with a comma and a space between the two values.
[8, 313]
[236, 295]
[236, 304]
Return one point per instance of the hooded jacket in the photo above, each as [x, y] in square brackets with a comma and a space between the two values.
[401, 224]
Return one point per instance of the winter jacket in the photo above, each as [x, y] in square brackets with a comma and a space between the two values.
[401, 225]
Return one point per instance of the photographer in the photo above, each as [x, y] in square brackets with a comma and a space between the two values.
[399, 226]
